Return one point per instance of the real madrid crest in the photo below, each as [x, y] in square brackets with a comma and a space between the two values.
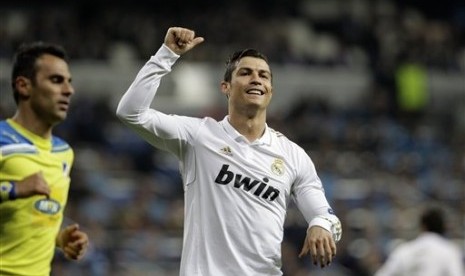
[278, 167]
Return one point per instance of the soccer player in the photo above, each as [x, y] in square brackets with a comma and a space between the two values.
[35, 165]
[239, 174]
[430, 254]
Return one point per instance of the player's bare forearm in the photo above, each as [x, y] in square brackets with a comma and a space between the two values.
[31, 185]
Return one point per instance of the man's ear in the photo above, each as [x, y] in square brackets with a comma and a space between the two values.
[225, 88]
[23, 86]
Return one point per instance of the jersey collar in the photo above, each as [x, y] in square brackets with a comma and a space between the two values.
[234, 134]
[43, 143]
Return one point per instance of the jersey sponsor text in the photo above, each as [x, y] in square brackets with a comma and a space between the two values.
[263, 190]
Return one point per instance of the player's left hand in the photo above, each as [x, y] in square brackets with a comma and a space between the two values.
[73, 242]
[319, 242]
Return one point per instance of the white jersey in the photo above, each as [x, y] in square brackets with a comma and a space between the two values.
[236, 192]
[428, 255]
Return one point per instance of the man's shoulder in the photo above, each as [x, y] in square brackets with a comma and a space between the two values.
[189, 119]
[279, 135]
[58, 144]
[421, 241]
[283, 141]
[9, 135]
[5, 127]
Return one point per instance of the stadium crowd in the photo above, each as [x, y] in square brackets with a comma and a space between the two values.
[379, 163]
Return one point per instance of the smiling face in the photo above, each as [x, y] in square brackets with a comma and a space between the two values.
[47, 95]
[250, 86]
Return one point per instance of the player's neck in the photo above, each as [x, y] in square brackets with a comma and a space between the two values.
[251, 127]
[33, 124]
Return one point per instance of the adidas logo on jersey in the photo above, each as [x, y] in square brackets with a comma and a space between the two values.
[226, 150]
[256, 187]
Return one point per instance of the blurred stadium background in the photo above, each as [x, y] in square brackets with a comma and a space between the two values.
[373, 90]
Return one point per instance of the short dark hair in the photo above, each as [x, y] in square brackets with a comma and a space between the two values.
[24, 61]
[432, 220]
[231, 63]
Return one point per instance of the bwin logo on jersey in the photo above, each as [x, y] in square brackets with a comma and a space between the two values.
[247, 184]
[47, 206]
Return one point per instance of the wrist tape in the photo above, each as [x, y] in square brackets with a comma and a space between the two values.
[7, 191]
